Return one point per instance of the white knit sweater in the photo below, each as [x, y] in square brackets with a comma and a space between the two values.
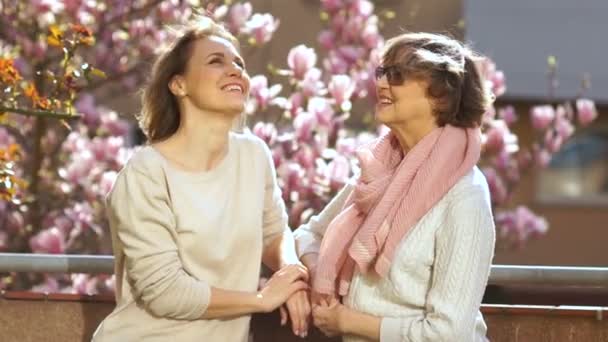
[436, 282]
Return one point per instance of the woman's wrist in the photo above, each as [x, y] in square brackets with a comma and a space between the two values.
[345, 319]
[352, 322]
[259, 303]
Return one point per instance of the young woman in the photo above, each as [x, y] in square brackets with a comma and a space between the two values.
[194, 212]
[409, 245]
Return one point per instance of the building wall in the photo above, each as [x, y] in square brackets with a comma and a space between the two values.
[577, 234]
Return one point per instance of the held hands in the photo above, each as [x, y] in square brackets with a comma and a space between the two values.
[298, 308]
[330, 316]
[282, 285]
[290, 283]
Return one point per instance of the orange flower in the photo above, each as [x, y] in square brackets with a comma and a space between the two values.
[86, 36]
[81, 29]
[8, 73]
[30, 91]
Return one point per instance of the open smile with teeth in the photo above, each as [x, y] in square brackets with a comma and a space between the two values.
[385, 100]
[237, 88]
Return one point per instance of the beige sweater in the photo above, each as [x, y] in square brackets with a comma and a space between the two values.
[176, 234]
[434, 287]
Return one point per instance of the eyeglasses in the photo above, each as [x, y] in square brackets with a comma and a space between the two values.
[395, 75]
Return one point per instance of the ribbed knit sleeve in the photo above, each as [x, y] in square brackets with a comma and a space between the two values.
[140, 207]
[309, 235]
[463, 253]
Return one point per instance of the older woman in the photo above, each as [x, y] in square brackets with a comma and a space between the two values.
[408, 245]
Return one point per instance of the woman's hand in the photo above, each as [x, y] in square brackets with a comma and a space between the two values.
[329, 316]
[282, 285]
[298, 308]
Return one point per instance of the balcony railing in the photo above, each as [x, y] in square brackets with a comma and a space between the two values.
[500, 274]
[525, 303]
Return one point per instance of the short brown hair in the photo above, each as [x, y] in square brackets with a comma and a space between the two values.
[455, 84]
[160, 116]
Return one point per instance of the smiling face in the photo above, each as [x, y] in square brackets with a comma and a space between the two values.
[403, 104]
[215, 78]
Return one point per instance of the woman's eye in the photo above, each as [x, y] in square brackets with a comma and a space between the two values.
[215, 61]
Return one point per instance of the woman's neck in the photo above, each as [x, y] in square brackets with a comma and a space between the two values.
[200, 143]
[411, 132]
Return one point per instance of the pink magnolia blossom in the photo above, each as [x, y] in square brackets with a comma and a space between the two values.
[79, 168]
[90, 114]
[304, 124]
[564, 127]
[335, 63]
[84, 283]
[301, 59]
[508, 114]
[261, 27]
[238, 15]
[327, 39]
[44, 6]
[542, 157]
[553, 141]
[542, 116]
[262, 95]
[332, 5]
[112, 124]
[498, 189]
[362, 8]
[507, 165]
[338, 171]
[586, 111]
[305, 156]
[50, 241]
[110, 283]
[346, 146]
[107, 181]
[294, 103]
[495, 79]
[49, 285]
[341, 89]
[82, 215]
[371, 37]
[106, 148]
[351, 54]
[312, 85]
[496, 136]
[520, 224]
[266, 131]
[352, 28]
[322, 110]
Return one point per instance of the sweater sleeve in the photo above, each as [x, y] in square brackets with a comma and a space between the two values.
[275, 213]
[145, 227]
[463, 255]
[309, 235]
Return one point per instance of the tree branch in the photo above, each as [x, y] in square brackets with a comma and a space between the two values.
[40, 113]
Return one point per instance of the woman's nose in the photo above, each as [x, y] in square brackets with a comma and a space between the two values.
[236, 70]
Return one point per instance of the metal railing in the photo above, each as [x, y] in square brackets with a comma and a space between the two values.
[500, 274]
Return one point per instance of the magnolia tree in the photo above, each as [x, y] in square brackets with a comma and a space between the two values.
[60, 151]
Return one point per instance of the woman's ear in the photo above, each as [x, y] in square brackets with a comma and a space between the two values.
[177, 86]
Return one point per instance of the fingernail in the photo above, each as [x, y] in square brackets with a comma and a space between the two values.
[297, 333]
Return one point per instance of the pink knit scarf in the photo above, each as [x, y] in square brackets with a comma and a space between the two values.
[392, 193]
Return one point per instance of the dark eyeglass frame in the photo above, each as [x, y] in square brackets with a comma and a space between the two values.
[395, 74]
